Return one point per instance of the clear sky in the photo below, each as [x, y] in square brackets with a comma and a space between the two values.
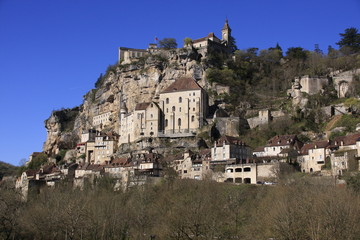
[52, 52]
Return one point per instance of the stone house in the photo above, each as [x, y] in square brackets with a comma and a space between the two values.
[193, 166]
[276, 144]
[313, 156]
[184, 108]
[230, 149]
[343, 161]
[351, 141]
[104, 147]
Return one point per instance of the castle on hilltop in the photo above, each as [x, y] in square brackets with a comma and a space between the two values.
[126, 55]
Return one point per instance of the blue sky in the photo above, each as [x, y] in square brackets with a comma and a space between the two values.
[52, 52]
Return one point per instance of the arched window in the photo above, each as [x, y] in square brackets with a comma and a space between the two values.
[166, 122]
[192, 118]
[167, 101]
[180, 99]
[151, 116]
[173, 108]
[179, 122]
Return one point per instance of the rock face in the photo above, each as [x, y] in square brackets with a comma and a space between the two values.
[139, 81]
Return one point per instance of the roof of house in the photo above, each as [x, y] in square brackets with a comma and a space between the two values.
[281, 140]
[183, 84]
[346, 140]
[229, 140]
[313, 145]
[142, 106]
[210, 35]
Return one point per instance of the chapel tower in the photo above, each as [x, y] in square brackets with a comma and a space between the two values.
[226, 32]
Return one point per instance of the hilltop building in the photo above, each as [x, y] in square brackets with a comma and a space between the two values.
[127, 55]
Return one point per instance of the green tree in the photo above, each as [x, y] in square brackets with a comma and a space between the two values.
[187, 41]
[350, 39]
[168, 43]
[37, 161]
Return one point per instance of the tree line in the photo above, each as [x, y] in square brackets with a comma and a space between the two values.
[298, 208]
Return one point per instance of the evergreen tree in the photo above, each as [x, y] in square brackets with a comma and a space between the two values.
[350, 39]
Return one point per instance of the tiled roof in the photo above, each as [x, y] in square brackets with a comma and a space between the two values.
[346, 140]
[210, 35]
[281, 140]
[183, 84]
[141, 106]
[313, 145]
[229, 140]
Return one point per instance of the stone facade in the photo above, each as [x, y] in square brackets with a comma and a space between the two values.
[230, 148]
[184, 108]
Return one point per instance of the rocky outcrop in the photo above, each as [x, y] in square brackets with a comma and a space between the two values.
[139, 81]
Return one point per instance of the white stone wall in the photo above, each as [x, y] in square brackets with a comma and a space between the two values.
[183, 111]
[101, 119]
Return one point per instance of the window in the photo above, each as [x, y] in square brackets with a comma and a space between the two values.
[193, 94]
[185, 171]
[179, 109]
[180, 99]
[167, 110]
[194, 100]
[179, 122]
[247, 169]
[173, 109]
[194, 109]
[166, 122]
[151, 105]
[151, 116]
[167, 101]
[192, 118]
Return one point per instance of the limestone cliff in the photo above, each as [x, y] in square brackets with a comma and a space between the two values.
[140, 81]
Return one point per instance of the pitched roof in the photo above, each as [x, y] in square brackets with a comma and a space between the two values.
[210, 35]
[183, 84]
[142, 106]
[313, 145]
[346, 140]
[229, 140]
[281, 140]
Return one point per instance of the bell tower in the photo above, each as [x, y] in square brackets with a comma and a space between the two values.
[226, 32]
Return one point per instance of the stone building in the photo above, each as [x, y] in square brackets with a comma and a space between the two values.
[343, 161]
[313, 156]
[184, 108]
[230, 149]
[104, 147]
[126, 55]
[276, 145]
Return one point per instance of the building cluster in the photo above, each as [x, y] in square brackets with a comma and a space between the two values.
[229, 160]
[127, 55]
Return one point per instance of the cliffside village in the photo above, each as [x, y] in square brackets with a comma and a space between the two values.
[179, 112]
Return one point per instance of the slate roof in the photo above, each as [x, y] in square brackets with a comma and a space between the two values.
[183, 84]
